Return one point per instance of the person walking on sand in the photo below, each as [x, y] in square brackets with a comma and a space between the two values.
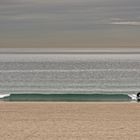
[138, 96]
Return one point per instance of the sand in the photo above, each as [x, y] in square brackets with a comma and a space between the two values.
[69, 121]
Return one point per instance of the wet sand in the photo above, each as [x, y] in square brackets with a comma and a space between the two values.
[69, 121]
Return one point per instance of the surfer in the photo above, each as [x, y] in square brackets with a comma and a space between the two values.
[138, 96]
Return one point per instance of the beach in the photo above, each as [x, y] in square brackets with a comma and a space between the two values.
[69, 121]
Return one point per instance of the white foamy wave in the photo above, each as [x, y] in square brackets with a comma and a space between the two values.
[4, 95]
[133, 96]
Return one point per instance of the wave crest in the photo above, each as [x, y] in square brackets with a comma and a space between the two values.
[4, 95]
[66, 97]
[133, 96]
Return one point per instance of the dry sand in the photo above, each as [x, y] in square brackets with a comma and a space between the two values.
[69, 121]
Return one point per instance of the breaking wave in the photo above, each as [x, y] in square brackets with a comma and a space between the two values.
[68, 97]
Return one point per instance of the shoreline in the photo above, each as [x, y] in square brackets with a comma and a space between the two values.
[71, 102]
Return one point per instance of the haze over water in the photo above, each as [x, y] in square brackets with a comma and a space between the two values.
[69, 23]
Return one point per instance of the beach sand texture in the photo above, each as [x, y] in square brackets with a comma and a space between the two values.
[69, 121]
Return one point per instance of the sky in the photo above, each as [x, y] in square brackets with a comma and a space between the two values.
[69, 23]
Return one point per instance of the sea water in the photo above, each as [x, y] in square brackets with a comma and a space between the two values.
[69, 77]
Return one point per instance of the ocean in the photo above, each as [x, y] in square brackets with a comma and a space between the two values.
[69, 77]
